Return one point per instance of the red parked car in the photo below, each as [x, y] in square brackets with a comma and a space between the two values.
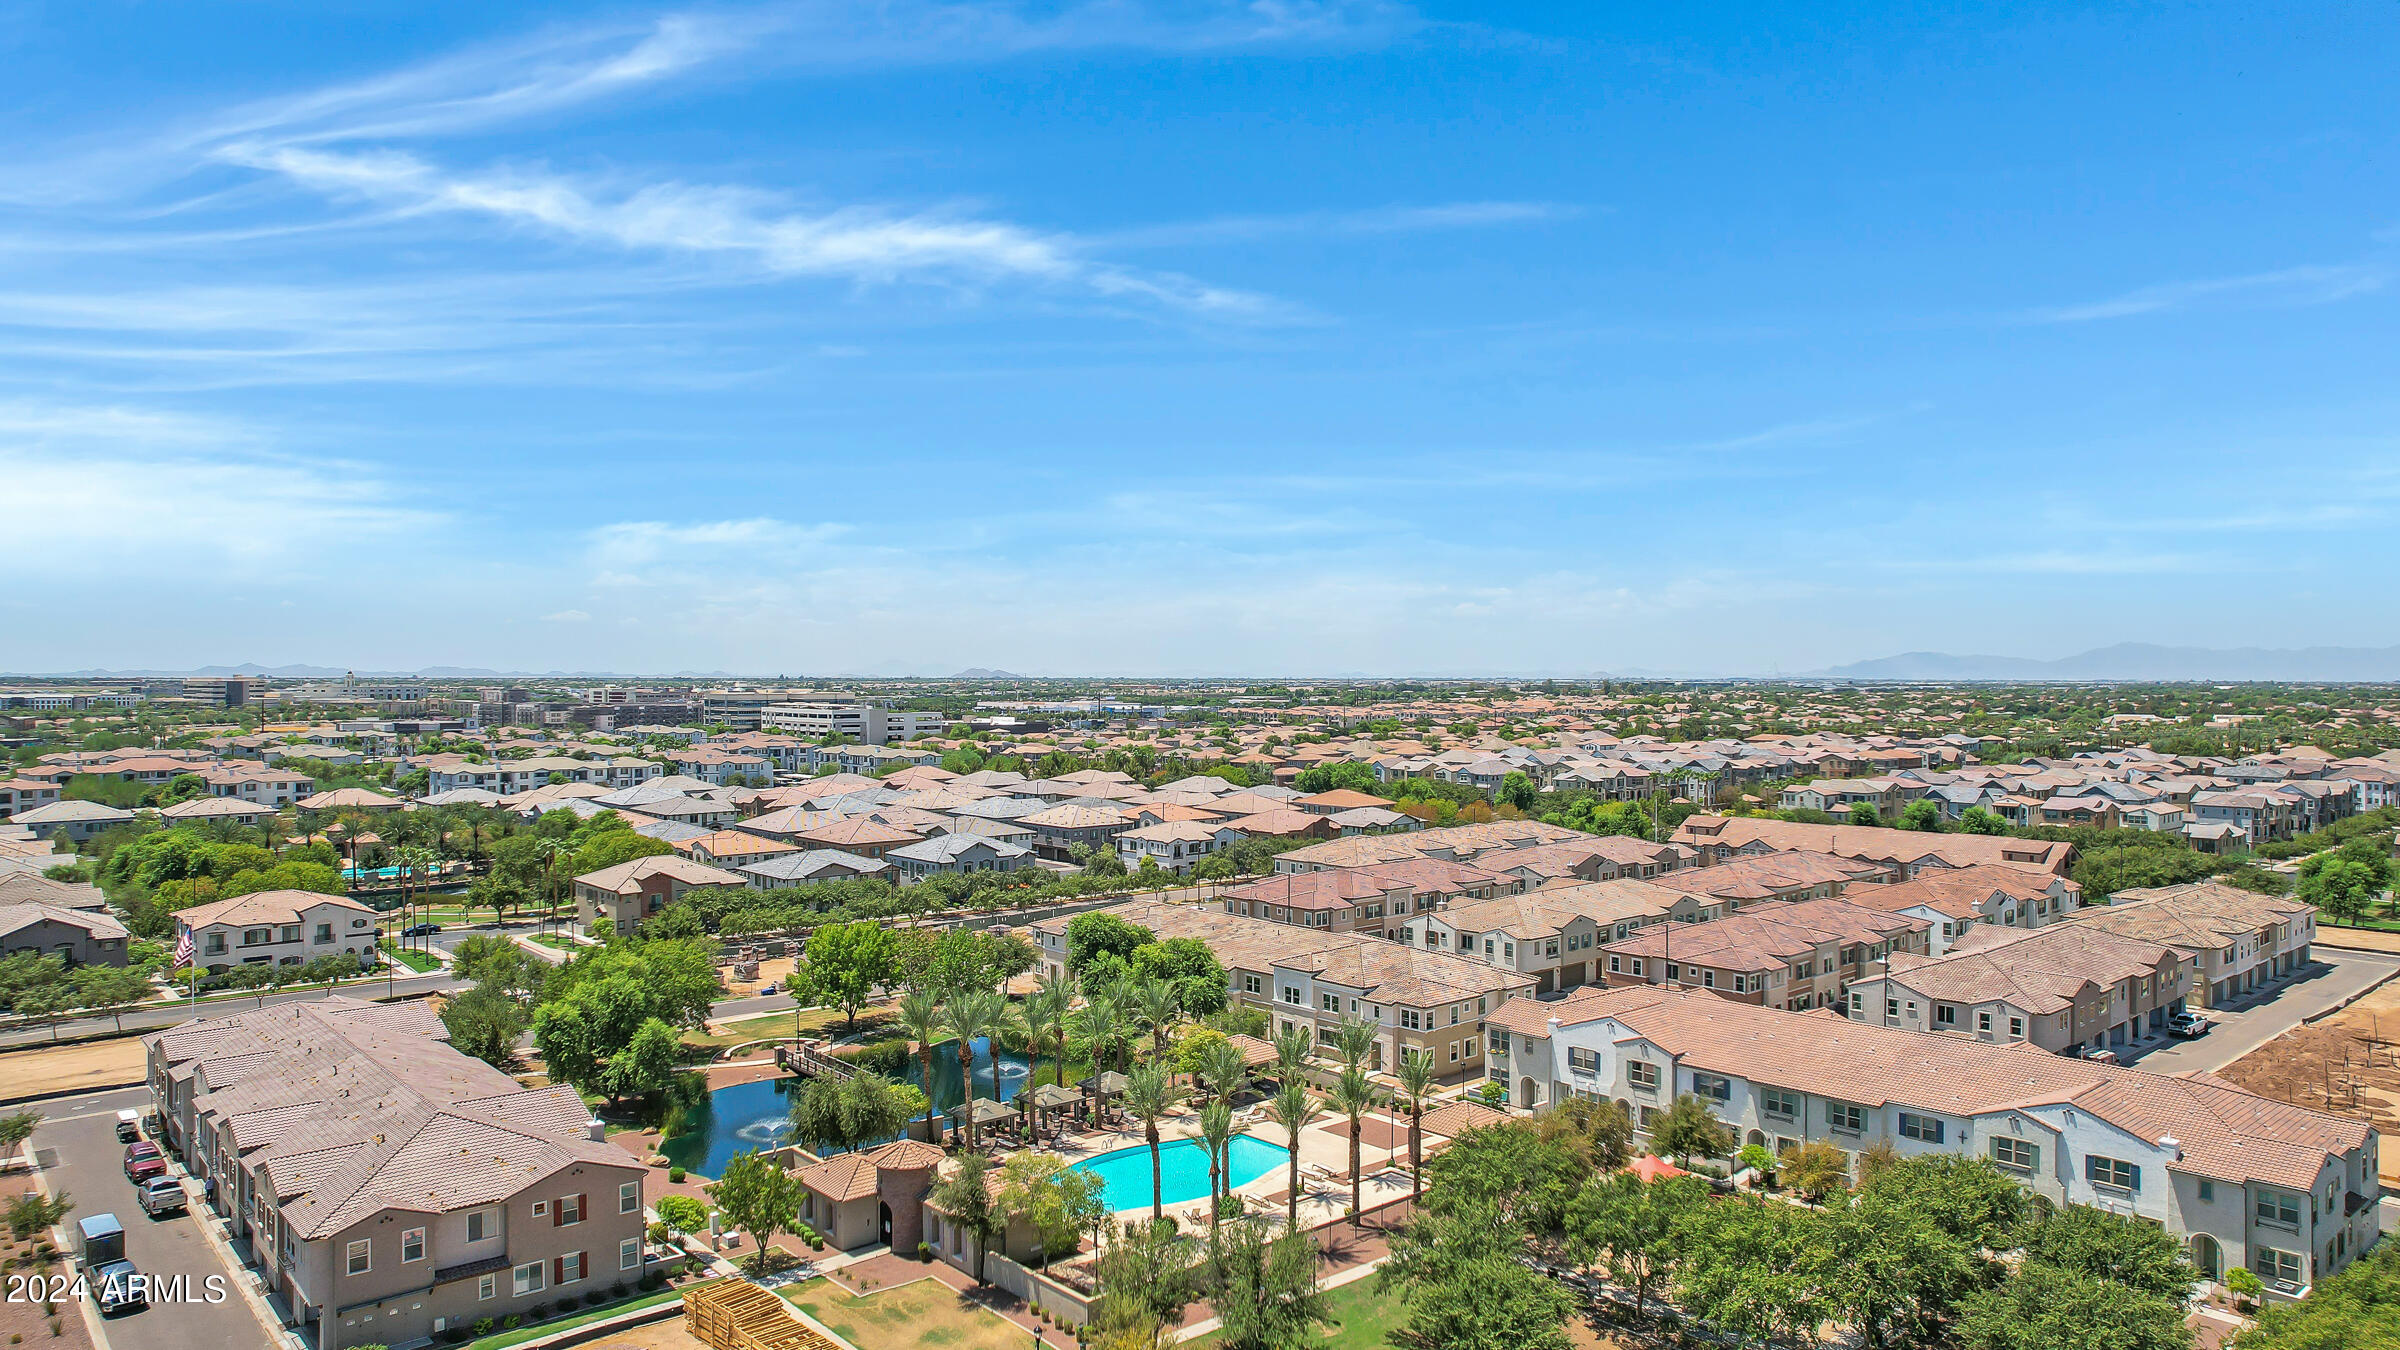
[143, 1160]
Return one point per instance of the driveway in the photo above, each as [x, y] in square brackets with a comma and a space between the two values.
[78, 1150]
[2333, 980]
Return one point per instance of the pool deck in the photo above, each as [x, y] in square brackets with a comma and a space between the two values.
[1324, 1162]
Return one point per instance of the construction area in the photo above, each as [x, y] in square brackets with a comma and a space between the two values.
[738, 1315]
[2348, 1063]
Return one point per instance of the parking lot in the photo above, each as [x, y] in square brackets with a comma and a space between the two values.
[2337, 977]
[78, 1149]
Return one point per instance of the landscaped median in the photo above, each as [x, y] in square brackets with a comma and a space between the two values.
[417, 961]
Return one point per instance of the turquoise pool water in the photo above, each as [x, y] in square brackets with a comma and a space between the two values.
[1183, 1170]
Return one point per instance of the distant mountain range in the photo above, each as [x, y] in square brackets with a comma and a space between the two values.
[2142, 661]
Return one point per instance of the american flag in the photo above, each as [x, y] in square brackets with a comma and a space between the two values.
[183, 949]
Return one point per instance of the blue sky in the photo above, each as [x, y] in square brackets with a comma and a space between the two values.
[1191, 337]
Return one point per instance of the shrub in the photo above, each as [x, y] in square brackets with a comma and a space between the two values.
[597, 1297]
[454, 1335]
[483, 1326]
[617, 1290]
[652, 1279]
[538, 1311]
[674, 1174]
[925, 1251]
[888, 1057]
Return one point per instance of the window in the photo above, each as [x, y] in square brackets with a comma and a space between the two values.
[1924, 1129]
[527, 1279]
[1250, 984]
[1581, 1060]
[2016, 1028]
[2278, 1207]
[2115, 1173]
[291, 932]
[1717, 1087]
[359, 1258]
[629, 1253]
[1637, 965]
[324, 932]
[1496, 1042]
[541, 1209]
[412, 1245]
[1291, 995]
[1983, 1023]
[1777, 1102]
[572, 1267]
[2208, 1191]
[482, 1223]
[2276, 1267]
[1643, 1076]
[1844, 1116]
[570, 1211]
[1331, 1003]
[1944, 1015]
[487, 1287]
[629, 1197]
[1891, 1007]
[2016, 1154]
[1708, 979]
[1616, 965]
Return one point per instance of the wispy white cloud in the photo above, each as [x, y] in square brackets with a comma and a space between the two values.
[2310, 285]
[1337, 224]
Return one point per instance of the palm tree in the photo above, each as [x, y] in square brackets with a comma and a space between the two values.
[550, 851]
[1354, 1041]
[1216, 1132]
[1149, 1095]
[968, 1016]
[1156, 1008]
[1293, 1049]
[1046, 1020]
[1294, 1109]
[1101, 1028]
[920, 1021]
[1354, 1096]
[1416, 1084]
[1224, 1070]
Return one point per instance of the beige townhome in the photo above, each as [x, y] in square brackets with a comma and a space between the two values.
[2243, 1181]
[1784, 954]
[1317, 979]
[387, 1188]
[2065, 988]
[276, 927]
[1553, 934]
[1955, 900]
[628, 893]
[2240, 941]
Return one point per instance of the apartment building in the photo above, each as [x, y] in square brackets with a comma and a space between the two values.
[946, 854]
[1957, 899]
[276, 927]
[1552, 934]
[2244, 1181]
[78, 937]
[2065, 988]
[24, 794]
[1717, 838]
[2240, 942]
[1174, 845]
[1059, 830]
[858, 721]
[1434, 1002]
[1783, 954]
[258, 784]
[1366, 899]
[385, 1187]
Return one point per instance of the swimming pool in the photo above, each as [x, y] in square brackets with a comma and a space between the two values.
[1183, 1170]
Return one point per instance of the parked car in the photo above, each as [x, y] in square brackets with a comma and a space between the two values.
[161, 1195]
[119, 1287]
[143, 1160]
[2100, 1055]
[421, 930]
[2188, 1025]
[129, 1126]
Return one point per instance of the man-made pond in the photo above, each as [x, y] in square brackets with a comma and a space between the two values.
[735, 1120]
[1183, 1170]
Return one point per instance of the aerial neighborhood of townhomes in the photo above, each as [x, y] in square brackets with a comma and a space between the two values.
[1234, 674]
[446, 1010]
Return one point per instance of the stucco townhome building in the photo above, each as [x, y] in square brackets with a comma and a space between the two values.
[1785, 954]
[2240, 941]
[2242, 1180]
[385, 1187]
[1957, 899]
[2064, 988]
[630, 892]
[280, 927]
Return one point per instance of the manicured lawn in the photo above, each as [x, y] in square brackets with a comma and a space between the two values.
[410, 957]
[924, 1313]
[765, 1025]
[498, 1340]
[1367, 1318]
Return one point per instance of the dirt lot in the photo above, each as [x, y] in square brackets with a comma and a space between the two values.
[72, 1068]
[2349, 1063]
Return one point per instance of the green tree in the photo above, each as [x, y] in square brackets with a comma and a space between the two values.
[2359, 1307]
[1151, 1277]
[682, 1213]
[964, 1196]
[1921, 814]
[110, 990]
[1978, 820]
[1631, 1225]
[1466, 1286]
[757, 1196]
[1417, 1076]
[1096, 933]
[2140, 1256]
[1518, 791]
[485, 1023]
[1689, 1129]
[1756, 1270]
[1353, 1096]
[1863, 814]
[1295, 1109]
[647, 1065]
[2342, 888]
[1510, 1169]
[1040, 1191]
[1265, 1289]
[845, 964]
[1815, 1168]
[2042, 1307]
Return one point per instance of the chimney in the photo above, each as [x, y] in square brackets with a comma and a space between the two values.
[2172, 1145]
[596, 1130]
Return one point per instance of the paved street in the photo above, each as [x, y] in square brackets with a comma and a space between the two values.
[157, 1015]
[78, 1150]
[2247, 1026]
